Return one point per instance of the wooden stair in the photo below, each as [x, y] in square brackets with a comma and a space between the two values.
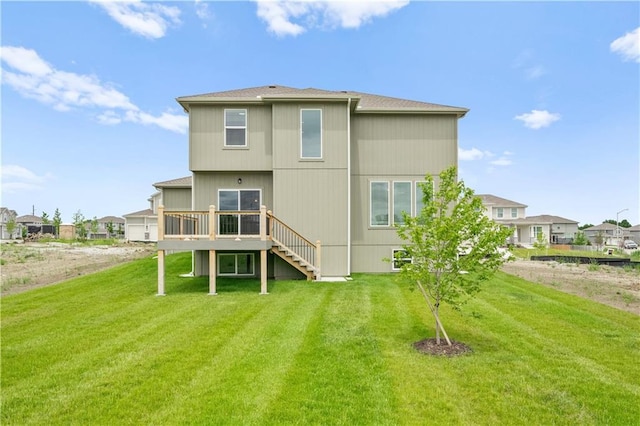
[289, 256]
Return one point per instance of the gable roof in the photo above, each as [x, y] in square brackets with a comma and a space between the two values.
[147, 212]
[183, 182]
[28, 218]
[493, 201]
[361, 102]
[602, 227]
[550, 218]
[113, 219]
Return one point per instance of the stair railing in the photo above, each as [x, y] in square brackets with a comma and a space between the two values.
[284, 236]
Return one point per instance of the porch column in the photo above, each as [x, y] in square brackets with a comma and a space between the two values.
[263, 272]
[263, 223]
[160, 273]
[319, 260]
[212, 273]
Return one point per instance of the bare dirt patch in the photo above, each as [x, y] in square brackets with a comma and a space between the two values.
[26, 266]
[610, 285]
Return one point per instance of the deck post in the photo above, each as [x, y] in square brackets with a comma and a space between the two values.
[263, 272]
[263, 223]
[212, 222]
[318, 259]
[161, 273]
[212, 273]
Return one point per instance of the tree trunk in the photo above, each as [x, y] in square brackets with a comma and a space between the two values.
[435, 314]
[434, 311]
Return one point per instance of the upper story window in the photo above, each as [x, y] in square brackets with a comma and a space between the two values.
[311, 133]
[395, 197]
[500, 212]
[514, 212]
[235, 127]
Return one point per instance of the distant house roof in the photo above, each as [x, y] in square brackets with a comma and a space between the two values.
[492, 200]
[183, 182]
[602, 227]
[634, 228]
[112, 219]
[28, 218]
[146, 212]
[551, 218]
[361, 102]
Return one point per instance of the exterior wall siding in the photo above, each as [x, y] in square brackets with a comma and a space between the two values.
[206, 140]
[176, 198]
[207, 184]
[311, 195]
[393, 148]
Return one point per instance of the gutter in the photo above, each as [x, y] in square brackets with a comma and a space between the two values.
[348, 186]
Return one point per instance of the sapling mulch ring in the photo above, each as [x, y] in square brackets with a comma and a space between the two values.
[452, 246]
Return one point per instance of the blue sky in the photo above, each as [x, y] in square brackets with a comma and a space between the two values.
[90, 122]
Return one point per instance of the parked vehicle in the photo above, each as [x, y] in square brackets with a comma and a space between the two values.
[630, 244]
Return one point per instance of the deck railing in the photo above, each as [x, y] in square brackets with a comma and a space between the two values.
[219, 224]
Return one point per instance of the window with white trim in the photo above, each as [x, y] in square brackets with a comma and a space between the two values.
[499, 212]
[514, 212]
[235, 127]
[311, 133]
[399, 257]
[401, 201]
[379, 198]
[236, 264]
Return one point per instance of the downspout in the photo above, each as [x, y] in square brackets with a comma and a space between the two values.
[349, 187]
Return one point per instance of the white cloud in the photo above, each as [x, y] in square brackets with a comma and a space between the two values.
[279, 15]
[472, 154]
[502, 161]
[17, 178]
[628, 46]
[34, 78]
[526, 62]
[537, 119]
[202, 10]
[149, 20]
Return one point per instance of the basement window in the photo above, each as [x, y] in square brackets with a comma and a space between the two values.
[238, 264]
[400, 257]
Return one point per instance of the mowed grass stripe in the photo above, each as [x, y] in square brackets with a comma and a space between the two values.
[319, 353]
[338, 376]
[238, 382]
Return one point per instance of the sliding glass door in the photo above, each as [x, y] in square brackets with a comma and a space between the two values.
[234, 200]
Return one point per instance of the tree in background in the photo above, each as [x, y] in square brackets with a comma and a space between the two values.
[57, 221]
[94, 225]
[451, 246]
[541, 242]
[110, 229]
[624, 223]
[80, 224]
[585, 226]
[580, 239]
[11, 227]
[45, 218]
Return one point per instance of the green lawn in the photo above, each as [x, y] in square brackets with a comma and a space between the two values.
[103, 349]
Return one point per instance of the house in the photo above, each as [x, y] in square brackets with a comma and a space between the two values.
[8, 216]
[634, 233]
[607, 234]
[555, 229]
[294, 183]
[143, 225]
[104, 223]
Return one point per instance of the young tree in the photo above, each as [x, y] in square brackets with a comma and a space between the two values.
[57, 221]
[541, 242]
[11, 227]
[580, 239]
[452, 244]
[110, 229]
[94, 225]
[80, 224]
[45, 218]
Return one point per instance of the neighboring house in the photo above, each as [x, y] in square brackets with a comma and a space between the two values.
[634, 233]
[7, 216]
[555, 229]
[303, 182]
[143, 225]
[610, 234]
[103, 227]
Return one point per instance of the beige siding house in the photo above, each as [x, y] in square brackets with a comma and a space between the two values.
[143, 225]
[554, 229]
[308, 183]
